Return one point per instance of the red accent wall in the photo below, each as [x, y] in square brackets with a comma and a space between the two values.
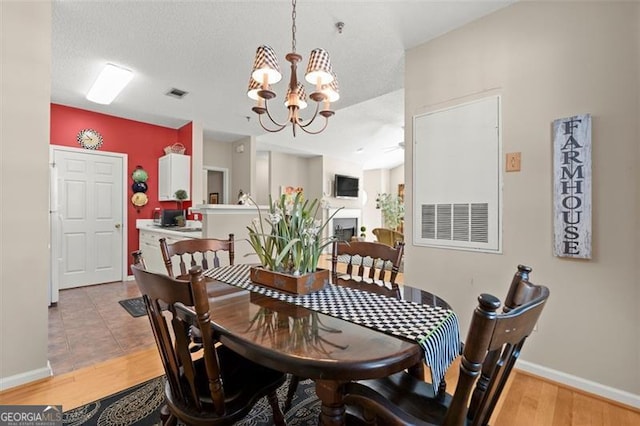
[143, 143]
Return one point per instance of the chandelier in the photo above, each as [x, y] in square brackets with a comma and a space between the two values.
[319, 73]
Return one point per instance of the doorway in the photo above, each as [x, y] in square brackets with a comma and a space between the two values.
[215, 184]
[88, 218]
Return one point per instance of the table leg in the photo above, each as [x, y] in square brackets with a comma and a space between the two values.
[332, 411]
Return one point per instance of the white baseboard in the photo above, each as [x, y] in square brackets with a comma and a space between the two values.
[130, 278]
[26, 377]
[623, 397]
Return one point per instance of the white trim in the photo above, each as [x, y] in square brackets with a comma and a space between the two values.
[585, 385]
[130, 278]
[225, 183]
[26, 377]
[55, 278]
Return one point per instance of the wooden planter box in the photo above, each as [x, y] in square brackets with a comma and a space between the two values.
[302, 284]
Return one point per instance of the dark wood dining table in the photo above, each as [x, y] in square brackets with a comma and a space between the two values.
[309, 344]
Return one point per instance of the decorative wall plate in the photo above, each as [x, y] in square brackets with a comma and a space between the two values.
[89, 139]
[139, 175]
[139, 199]
[139, 187]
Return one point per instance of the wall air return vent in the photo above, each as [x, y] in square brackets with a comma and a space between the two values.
[455, 222]
[457, 177]
[176, 93]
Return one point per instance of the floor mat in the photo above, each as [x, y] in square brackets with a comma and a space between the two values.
[135, 306]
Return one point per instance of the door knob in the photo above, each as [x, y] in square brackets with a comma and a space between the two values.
[118, 226]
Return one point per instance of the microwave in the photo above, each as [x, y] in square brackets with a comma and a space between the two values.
[166, 217]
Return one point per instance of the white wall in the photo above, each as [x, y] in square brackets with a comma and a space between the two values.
[332, 167]
[289, 170]
[396, 177]
[243, 165]
[548, 60]
[25, 60]
[217, 154]
[262, 184]
[315, 183]
[376, 181]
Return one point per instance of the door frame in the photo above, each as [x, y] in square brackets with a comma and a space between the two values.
[54, 224]
[225, 182]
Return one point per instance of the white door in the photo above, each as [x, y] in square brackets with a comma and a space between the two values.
[87, 217]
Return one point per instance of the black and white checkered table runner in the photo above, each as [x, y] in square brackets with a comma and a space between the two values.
[434, 328]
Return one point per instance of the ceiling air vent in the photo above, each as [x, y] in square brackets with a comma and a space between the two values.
[176, 93]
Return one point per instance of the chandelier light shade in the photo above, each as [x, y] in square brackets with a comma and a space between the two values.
[254, 88]
[319, 73]
[331, 90]
[266, 66]
[300, 96]
[319, 69]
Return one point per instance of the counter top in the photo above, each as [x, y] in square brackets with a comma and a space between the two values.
[193, 229]
[227, 208]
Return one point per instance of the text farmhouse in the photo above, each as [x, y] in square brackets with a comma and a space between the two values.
[572, 186]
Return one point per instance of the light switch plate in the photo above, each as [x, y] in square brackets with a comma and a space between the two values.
[513, 162]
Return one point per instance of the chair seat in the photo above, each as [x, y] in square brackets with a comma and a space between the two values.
[244, 383]
[412, 399]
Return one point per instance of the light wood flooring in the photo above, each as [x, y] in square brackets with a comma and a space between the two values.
[527, 401]
[118, 352]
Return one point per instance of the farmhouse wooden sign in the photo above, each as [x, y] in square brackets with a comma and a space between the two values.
[572, 186]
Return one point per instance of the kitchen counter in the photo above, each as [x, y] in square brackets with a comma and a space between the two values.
[149, 241]
[193, 229]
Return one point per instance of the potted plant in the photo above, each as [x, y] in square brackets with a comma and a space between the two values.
[289, 242]
[180, 221]
[180, 196]
[392, 208]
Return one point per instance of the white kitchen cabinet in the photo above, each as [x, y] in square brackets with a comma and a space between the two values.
[174, 172]
[150, 246]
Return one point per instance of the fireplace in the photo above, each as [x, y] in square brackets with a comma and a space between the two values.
[345, 228]
[344, 224]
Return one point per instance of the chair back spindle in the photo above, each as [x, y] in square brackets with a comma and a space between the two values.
[367, 266]
[193, 252]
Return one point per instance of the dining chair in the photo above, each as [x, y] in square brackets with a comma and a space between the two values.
[369, 266]
[373, 267]
[213, 385]
[388, 236]
[493, 344]
[203, 251]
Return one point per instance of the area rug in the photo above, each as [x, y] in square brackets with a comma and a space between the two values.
[134, 306]
[140, 405]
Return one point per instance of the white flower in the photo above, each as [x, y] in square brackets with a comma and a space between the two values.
[275, 217]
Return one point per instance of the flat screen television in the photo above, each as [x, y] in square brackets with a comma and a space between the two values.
[346, 186]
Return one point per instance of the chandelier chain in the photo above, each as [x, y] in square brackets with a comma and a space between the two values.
[293, 26]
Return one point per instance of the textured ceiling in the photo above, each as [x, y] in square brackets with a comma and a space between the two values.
[206, 48]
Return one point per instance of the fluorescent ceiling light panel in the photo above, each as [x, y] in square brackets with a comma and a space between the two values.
[109, 84]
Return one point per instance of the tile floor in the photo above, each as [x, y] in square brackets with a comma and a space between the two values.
[88, 325]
